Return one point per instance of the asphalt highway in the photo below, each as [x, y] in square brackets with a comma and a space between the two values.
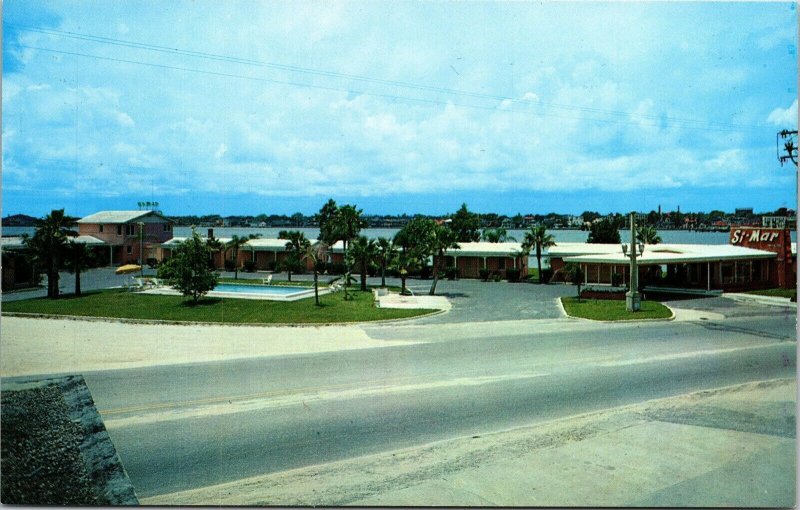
[181, 427]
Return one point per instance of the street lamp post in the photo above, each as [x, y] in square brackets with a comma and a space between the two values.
[141, 247]
[633, 300]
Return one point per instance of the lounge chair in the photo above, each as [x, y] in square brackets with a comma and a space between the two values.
[267, 280]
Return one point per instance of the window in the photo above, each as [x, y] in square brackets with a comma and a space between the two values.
[727, 273]
[101, 228]
[129, 249]
[130, 229]
[119, 230]
[501, 263]
[167, 227]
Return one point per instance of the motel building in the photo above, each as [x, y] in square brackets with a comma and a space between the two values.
[116, 237]
[121, 234]
[267, 254]
[496, 258]
[755, 258]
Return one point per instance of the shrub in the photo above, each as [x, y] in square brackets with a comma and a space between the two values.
[272, 266]
[484, 274]
[152, 263]
[451, 273]
[425, 272]
[250, 266]
[512, 274]
[230, 265]
[547, 275]
[496, 278]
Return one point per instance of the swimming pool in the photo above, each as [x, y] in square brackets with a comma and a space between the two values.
[245, 291]
[271, 290]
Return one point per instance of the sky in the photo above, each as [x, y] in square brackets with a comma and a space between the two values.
[250, 107]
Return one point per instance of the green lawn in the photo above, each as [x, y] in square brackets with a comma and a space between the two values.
[784, 293]
[116, 303]
[613, 310]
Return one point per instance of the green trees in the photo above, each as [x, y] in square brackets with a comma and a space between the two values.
[77, 258]
[413, 241]
[605, 231]
[496, 235]
[315, 253]
[648, 235]
[441, 239]
[537, 237]
[214, 245]
[296, 246]
[573, 273]
[363, 252]
[234, 245]
[466, 225]
[327, 226]
[386, 255]
[47, 246]
[187, 270]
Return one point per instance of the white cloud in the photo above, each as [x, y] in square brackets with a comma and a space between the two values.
[784, 117]
[124, 119]
[221, 150]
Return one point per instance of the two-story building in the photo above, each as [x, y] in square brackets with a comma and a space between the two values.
[125, 233]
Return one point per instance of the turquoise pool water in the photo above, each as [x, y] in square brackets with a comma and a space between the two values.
[258, 289]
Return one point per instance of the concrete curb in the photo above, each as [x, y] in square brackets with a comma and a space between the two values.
[123, 320]
[762, 300]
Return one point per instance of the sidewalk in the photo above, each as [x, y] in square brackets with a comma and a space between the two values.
[729, 447]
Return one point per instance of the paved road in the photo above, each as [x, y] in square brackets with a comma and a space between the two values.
[190, 426]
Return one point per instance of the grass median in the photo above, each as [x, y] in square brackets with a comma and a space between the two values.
[613, 310]
[119, 304]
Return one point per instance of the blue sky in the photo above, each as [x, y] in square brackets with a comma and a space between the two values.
[272, 107]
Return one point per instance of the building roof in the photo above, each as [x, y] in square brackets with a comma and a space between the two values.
[267, 244]
[485, 250]
[676, 253]
[89, 241]
[11, 243]
[118, 216]
[16, 243]
[571, 249]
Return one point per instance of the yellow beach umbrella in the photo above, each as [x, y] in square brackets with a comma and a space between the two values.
[128, 268]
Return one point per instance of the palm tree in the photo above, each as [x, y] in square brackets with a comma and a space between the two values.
[296, 245]
[47, 246]
[537, 237]
[442, 239]
[215, 245]
[496, 235]
[363, 251]
[648, 235]
[234, 245]
[315, 252]
[78, 258]
[386, 253]
[346, 225]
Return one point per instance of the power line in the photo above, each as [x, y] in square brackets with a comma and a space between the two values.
[298, 69]
[359, 92]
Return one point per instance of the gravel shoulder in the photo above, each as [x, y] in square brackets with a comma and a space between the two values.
[732, 446]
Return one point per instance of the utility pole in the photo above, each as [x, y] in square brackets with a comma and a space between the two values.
[633, 300]
[789, 140]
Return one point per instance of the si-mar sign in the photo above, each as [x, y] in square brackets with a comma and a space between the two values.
[741, 236]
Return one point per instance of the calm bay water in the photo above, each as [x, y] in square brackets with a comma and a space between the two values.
[565, 236]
